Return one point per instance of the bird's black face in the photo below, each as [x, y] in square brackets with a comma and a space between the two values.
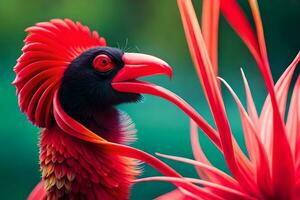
[86, 86]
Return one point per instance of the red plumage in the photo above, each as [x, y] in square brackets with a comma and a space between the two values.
[77, 169]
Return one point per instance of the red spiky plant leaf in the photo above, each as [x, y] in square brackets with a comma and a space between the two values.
[272, 144]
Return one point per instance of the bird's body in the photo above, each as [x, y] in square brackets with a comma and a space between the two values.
[65, 85]
[74, 169]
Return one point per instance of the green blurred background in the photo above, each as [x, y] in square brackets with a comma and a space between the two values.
[152, 27]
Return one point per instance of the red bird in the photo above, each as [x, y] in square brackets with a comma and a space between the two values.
[64, 81]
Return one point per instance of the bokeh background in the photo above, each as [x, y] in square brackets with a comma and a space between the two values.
[147, 26]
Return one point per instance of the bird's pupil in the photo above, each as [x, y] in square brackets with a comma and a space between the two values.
[104, 61]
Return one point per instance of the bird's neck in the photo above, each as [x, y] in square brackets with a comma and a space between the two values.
[105, 123]
[109, 123]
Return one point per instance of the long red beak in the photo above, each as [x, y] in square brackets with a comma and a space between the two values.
[136, 66]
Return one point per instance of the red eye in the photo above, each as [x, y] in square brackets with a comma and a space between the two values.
[103, 63]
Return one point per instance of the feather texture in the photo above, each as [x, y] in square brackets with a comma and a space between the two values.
[72, 168]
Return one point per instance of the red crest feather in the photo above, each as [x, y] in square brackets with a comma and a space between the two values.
[49, 48]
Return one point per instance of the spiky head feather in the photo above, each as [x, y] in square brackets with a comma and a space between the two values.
[49, 49]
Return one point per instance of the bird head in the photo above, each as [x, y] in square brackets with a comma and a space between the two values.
[66, 58]
[87, 83]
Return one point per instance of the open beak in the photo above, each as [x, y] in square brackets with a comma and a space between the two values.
[136, 66]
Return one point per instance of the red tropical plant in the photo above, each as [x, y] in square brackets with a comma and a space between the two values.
[272, 170]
